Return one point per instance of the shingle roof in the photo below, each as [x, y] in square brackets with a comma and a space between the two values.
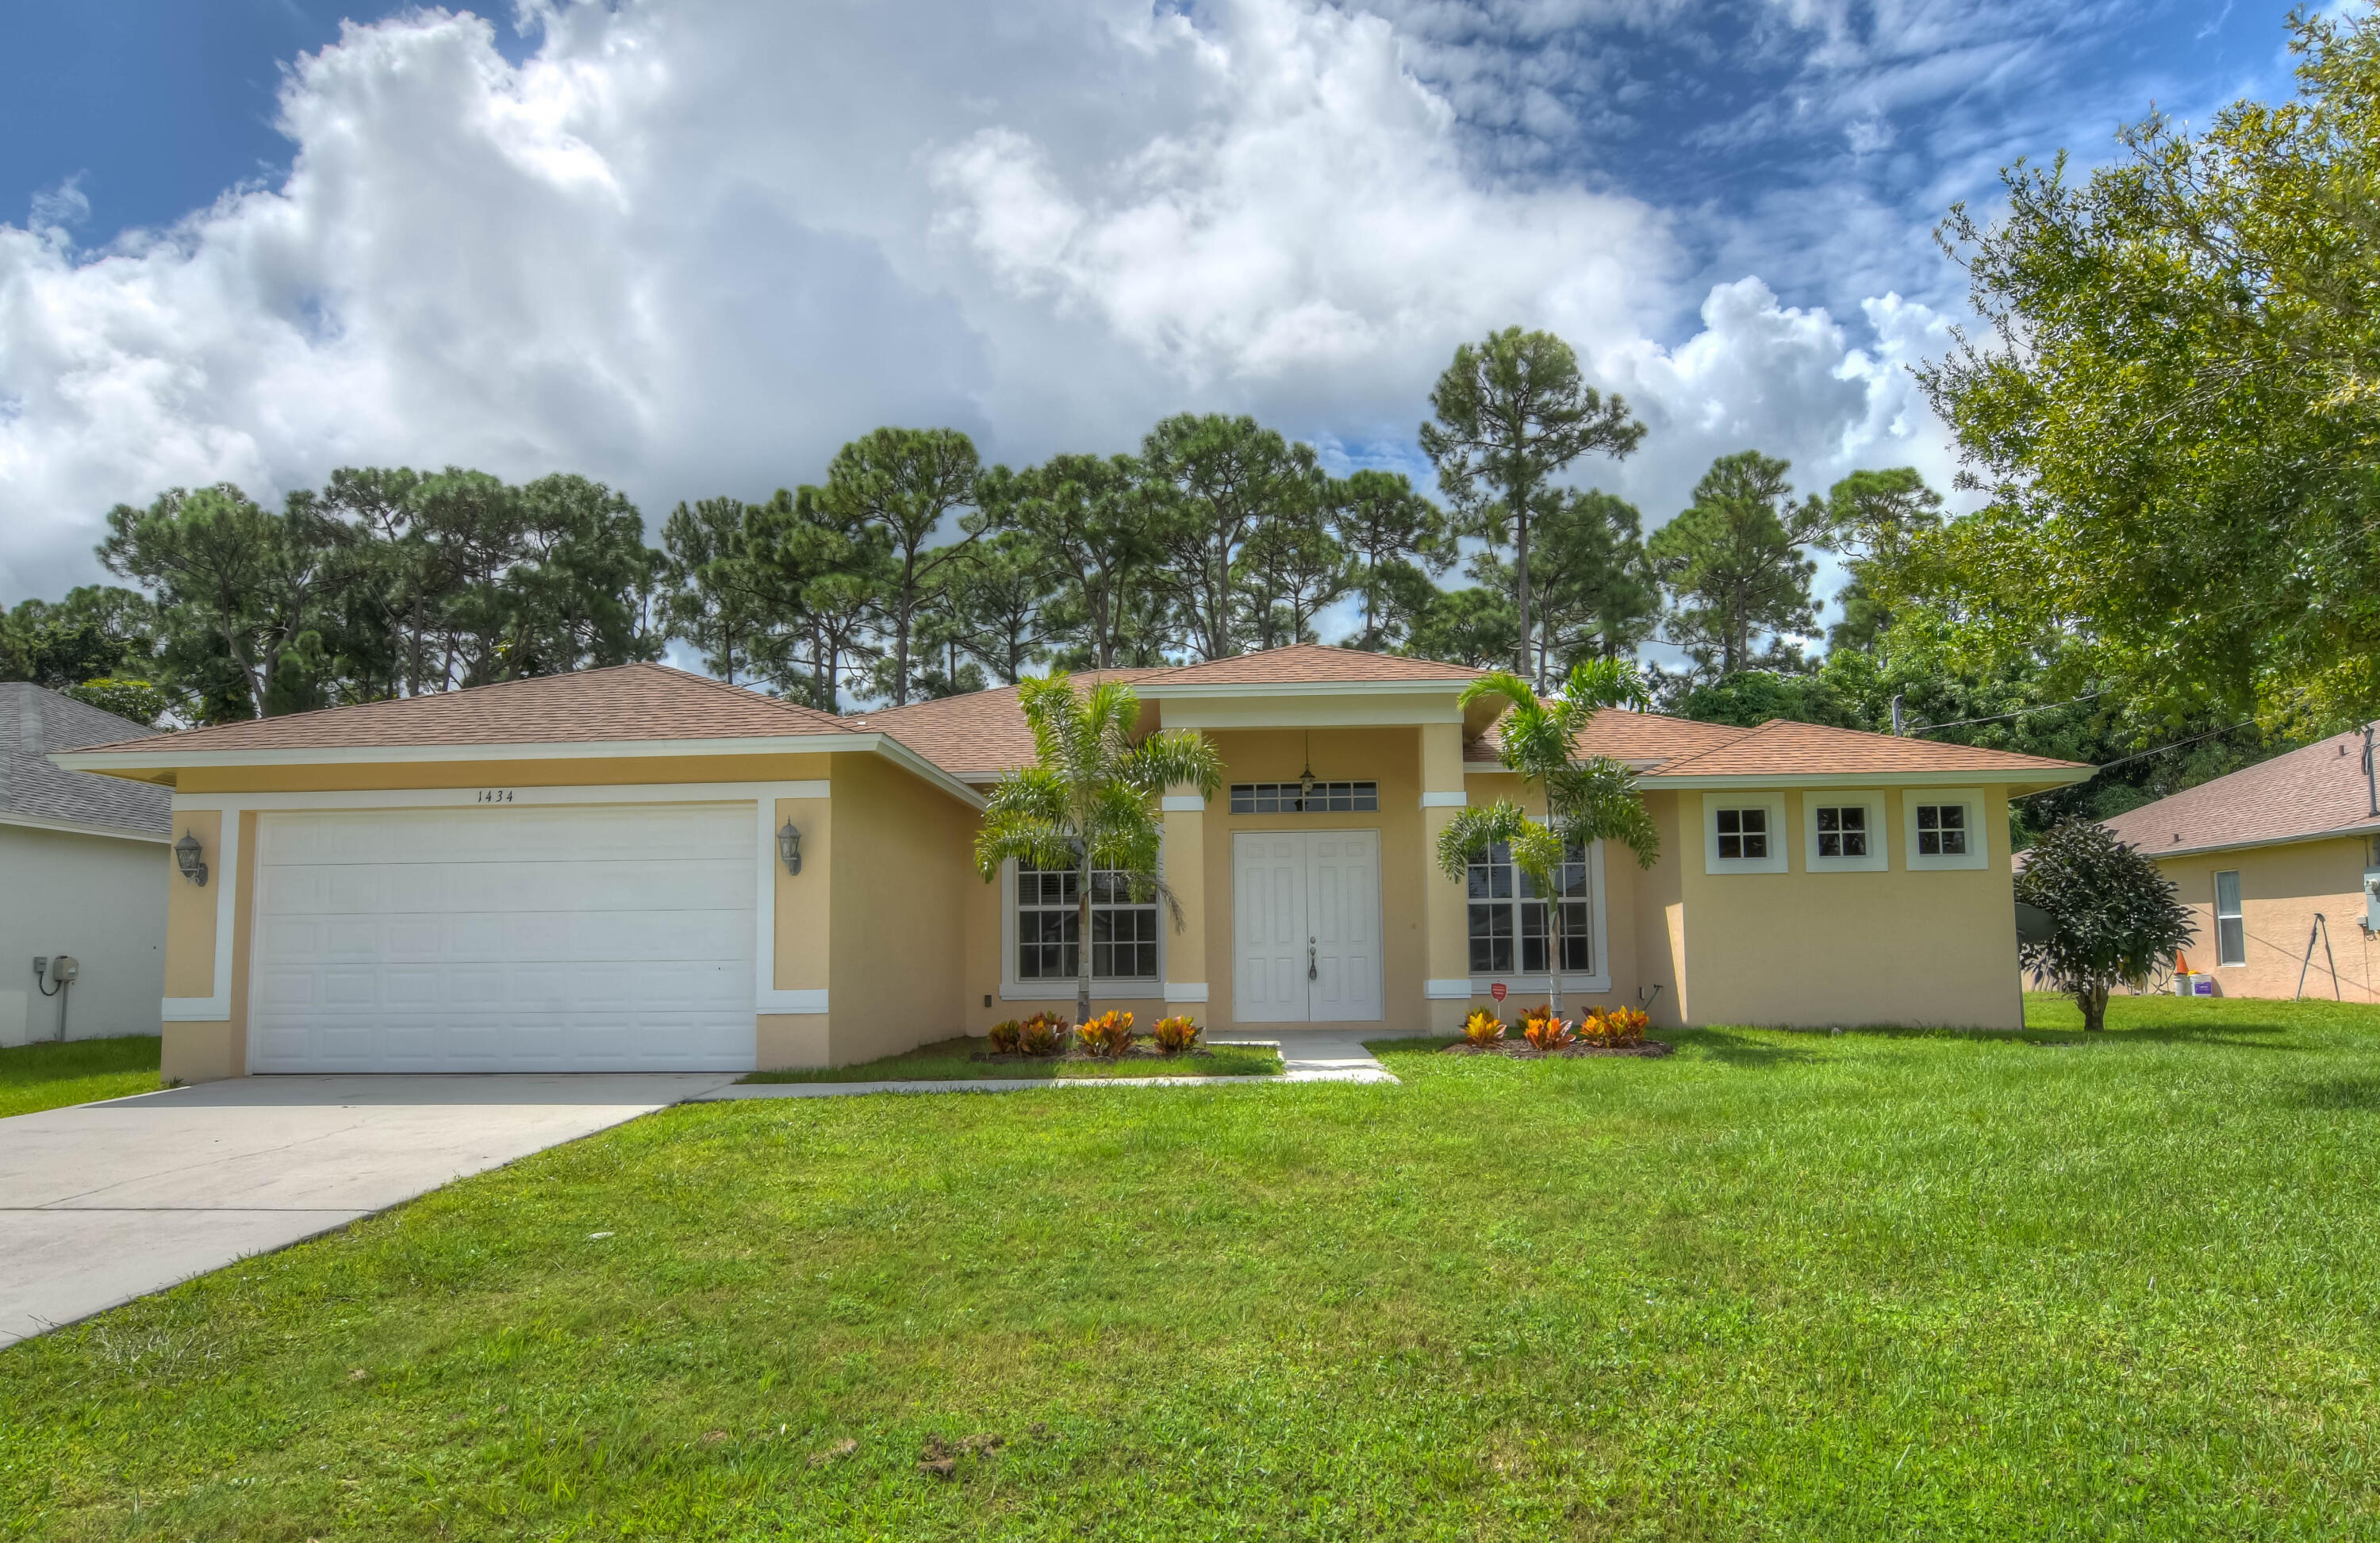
[2314, 791]
[35, 722]
[1780, 747]
[623, 702]
[1314, 664]
[977, 735]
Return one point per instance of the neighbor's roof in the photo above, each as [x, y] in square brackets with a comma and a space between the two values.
[1669, 749]
[2318, 791]
[33, 723]
[623, 702]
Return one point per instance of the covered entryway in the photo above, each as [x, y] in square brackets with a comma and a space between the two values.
[1306, 909]
[557, 938]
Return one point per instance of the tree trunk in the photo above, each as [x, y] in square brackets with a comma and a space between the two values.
[2093, 1000]
[1083, 950]
[1521, 573]
[1554, 941]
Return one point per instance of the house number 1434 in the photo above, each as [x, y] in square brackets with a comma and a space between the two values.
[495, 796]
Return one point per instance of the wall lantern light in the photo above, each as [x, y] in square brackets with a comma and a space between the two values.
[789, 846]
[186, 853]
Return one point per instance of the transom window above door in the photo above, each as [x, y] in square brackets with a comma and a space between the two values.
[1292, 798]
[1049, 924]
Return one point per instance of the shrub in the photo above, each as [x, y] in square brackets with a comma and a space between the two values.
[2114, 914]
[1615, 1029]
[1545, 1030]
[1042, 1033]
[1483, 1028]
[1107, 1036]
[1005, 1037]
[1175, 1034]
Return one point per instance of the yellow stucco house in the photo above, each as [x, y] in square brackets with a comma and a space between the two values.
[641, 869]
[2280, 863]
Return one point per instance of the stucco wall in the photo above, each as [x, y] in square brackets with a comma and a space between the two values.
[98, 898]
[897, 948]
[2281, 888]
[1797, 949]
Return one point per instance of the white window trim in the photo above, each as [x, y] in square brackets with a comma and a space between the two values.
[2216, 909]
[1112, 988]
[1596, 979]
[1779, 858]
[1878, 859]
[1979, 835]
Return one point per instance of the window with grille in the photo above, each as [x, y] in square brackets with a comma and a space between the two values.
[1843, 831]
[2231, 923]
[1509, 925]
[1941, 829]
[1290, 798]
[1743, 835]
[1049, 923]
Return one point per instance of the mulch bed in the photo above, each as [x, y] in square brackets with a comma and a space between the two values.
[1137, 1052]
[1523, 1051]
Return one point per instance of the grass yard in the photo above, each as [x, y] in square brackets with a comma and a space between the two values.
[1782, 1286]
[50, 1075]
[954, 1060]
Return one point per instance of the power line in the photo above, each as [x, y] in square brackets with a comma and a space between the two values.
[2143, 755]
[1996, 717]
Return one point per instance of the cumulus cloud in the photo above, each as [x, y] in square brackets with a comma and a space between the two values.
[690, 245]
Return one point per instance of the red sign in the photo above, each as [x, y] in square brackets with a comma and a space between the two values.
[1497, 991]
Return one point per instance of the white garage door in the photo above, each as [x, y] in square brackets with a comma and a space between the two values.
[572, 938]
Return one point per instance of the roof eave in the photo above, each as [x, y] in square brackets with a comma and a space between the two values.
[2027, 778]
[1166, 691]
[2368, 826]
[83, 827]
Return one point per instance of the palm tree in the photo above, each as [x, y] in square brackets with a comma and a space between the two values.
[1587, 799]
[1090, 799]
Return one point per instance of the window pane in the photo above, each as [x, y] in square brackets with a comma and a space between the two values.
[1368, 797]
[1830, 820]
[1929, 816]
[2233, 934]
[2227, 893]
[1731, 822]
[1730, 848]
[1491, 940]
[1755, 846]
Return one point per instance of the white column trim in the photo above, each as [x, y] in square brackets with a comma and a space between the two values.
[1447, 991]
[1186, 992]
[1445, 800]
[1183, 803]
[766, 996]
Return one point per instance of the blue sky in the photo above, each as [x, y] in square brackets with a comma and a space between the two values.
[690, 245]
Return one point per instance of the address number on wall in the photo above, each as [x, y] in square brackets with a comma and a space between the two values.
[495, 796]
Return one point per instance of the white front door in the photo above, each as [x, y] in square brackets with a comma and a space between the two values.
[1306, 924]
[569, 939]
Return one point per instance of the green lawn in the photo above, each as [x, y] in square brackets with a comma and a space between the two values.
[51, 1075]
[1778, 1286]
[954, 1060]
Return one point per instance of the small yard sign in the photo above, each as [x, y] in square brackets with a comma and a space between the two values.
[1497, 991]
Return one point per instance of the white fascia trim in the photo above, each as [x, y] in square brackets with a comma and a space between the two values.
[82, 827]
[602, 750]
[1154, 691]
[2359, 831]
[1184, 803]
[1447, 991]
[521, 798]
[1877, 779]
[1445, 800]
[1185, 993]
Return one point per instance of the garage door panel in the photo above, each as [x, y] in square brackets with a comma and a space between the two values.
[578, 938]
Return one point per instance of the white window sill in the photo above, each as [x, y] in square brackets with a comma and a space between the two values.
[1136, 988]
[1516, 984]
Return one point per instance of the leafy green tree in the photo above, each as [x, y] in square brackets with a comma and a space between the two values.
[96, 631]
[814, 574]
[136, 699]
[2174, 406]
[710, 601]
[1588, 798]
[1088, 518]
[1385, 525]
[2114, 916]
[1732, 564]
[1089, 804]
[1873, 519]
[1002, 608]
[905, 484]
[1476, 625]
[1290, 569]
[1596, 595]
[1511, 412]
[1213, 481]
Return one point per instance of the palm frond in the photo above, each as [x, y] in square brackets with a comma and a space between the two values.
[1474, 829]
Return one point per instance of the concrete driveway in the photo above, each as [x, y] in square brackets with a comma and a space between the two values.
[105, 1202]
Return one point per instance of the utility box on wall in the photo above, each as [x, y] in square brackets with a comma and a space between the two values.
[2372, 900]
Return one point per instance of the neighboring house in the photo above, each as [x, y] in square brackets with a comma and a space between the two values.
[81, 858]
[585, 873]
[2259, 855]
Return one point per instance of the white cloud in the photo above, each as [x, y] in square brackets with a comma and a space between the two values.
[690, 245]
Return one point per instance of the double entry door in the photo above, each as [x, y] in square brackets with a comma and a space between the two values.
[1306, 926]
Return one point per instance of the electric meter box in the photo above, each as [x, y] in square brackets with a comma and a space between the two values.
[2372, 899]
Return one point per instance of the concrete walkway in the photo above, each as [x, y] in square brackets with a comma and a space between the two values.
[104, 1202]
[1304, 1057]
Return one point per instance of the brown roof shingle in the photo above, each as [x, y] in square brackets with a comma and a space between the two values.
[978, 735]
[2309, 792]
[1782, 748]
[623, 702]
[1314, 664]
